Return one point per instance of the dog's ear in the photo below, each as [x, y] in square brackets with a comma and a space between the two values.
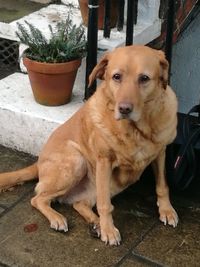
[99, 69]
[164, 68]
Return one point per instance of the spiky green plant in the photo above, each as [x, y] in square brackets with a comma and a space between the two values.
[67, 42]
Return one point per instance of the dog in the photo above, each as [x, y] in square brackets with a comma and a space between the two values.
[105, 146]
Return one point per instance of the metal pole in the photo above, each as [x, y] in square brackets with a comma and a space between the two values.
[170, 31]
[130, 22]
[92, 34]
[120, 22]
[106, 32]
[135, 12]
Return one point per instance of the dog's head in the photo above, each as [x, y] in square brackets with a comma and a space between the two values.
[134, 75]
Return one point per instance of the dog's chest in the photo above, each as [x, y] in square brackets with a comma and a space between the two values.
[136, 153]
[130, 163]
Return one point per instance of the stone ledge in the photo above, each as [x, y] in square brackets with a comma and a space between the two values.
[40, 19]
[25, 124]
[41, 1]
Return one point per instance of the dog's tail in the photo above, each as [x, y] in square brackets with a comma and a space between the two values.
[9, 179]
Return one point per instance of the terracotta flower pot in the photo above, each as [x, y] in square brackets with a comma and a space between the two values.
[52, 83]
[114, 12]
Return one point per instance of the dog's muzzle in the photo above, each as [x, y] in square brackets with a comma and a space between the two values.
[125, 108]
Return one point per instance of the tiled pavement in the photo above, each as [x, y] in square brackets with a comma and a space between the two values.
[26, 239]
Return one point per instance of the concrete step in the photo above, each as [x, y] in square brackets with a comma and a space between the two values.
[25, 124]
[50, 14]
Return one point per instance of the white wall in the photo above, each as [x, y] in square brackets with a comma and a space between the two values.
[186, 67]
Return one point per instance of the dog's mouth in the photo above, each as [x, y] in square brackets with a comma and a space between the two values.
[122, 117]
[133, 116]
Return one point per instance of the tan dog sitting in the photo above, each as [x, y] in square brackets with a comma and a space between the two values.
[108, 143]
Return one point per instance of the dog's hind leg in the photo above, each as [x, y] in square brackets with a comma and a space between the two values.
[84, 208]
[57, 179]
[42, 202]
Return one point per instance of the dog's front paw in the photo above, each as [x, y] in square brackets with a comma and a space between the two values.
[59, 223]
[168, 215]
[110, 235]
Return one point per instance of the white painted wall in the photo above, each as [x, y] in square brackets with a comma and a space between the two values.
[186, 67]
[148, 11]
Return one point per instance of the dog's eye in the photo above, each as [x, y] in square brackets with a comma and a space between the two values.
[117, 77]
[143, 78]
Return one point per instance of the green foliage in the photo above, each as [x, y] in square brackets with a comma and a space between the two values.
[67, 42]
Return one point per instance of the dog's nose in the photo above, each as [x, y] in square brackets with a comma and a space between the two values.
[125, 108]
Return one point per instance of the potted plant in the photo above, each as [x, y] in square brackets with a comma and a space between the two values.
[52, 64]
[101, 10]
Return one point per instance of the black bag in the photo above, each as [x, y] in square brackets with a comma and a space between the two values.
[183, 155]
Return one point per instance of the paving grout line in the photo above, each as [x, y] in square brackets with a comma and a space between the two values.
[144, 259]
[141, 238]
[15, 204]
[125, 257]
[3, 206]
[3, 265]
[136, 243]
